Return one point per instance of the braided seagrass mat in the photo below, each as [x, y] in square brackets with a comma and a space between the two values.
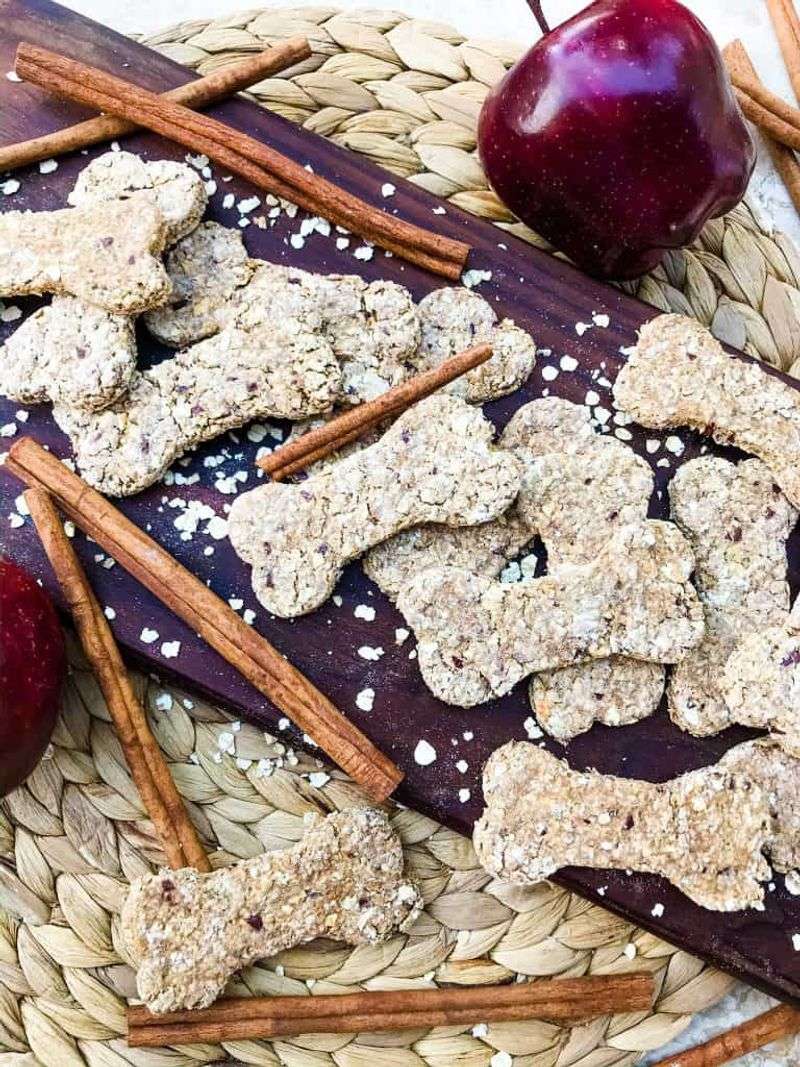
[405, 93]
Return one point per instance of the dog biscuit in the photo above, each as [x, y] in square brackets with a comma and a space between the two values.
[250, 370]
[454, 319]
[107, 254]
[737, 521]
[761, 682]
[373, 328]
[547, 425]
[704, 831]
[577, 501]
[766, 763]
[436, 463]
[477, 638]
[70, 352]
[175, 189]
[207, 269]
[189, 933]
[679, 375]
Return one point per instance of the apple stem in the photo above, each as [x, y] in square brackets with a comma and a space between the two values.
[536, 8]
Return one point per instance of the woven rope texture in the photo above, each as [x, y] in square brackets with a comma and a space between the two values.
[406, 94]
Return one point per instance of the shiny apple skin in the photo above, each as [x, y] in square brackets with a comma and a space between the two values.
[32, 671]
[617, 136]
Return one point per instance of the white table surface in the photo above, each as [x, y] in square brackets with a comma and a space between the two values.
[726, 19]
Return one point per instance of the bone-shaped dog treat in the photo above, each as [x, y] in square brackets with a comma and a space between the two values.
[577, 502]
[679, 375]
[70, 352]
[453, 320]
[189, 932]
[577, 488]
[373, 328]
[250, 370]
[107, 254]
[175, 189]
[436, 463]
[207, 269]
[703, 831]
[737, 521]
[483, 549]
[547, 425]
[767, 764]
[577, 497]
[478, 638]
[761, 681]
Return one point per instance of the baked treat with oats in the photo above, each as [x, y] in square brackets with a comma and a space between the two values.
[705, 831]
[188, 933]
[108, 254]
[436, 463]
[477, 638]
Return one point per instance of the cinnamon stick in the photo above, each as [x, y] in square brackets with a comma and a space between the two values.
[772, 1025]
[355, 423]
[260, 164]
[195, 94]
[148, 769]
[564, 999]
[771, 114]
[765, 98]
[787, 29]
[783, 159]
[209, 616]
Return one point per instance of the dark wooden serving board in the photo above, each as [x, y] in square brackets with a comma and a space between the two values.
[545, 297]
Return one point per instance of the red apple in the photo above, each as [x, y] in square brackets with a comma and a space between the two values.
[617, 136]
[32, 670]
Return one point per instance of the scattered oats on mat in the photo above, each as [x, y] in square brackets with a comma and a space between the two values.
[600, 319]
[47, 166]
[501, 1059]
[148, 636]
[582, 327]
[364, 611]
[170, 649]
[12, 76]
[657, 911]
[464, 795]
[109, 613]
[9, 187]
[549, 373]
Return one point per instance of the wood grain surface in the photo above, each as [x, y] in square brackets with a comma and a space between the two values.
[544, 296]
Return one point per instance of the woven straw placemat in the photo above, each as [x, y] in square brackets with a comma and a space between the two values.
[406, 94]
